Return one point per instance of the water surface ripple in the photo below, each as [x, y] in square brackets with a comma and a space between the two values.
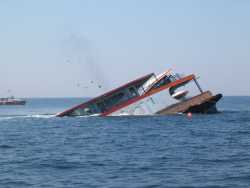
[172, 151]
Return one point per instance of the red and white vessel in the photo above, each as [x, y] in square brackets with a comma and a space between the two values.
[12, 101]
[162, 94]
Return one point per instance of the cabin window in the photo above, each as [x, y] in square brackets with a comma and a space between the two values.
[87, 110]
[166, 80]
[172, 78]
[113, 100]
[82, 111]
[101, 106]
[132, 92]
[94, 109]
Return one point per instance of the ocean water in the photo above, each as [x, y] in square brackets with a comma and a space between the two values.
[40, 150]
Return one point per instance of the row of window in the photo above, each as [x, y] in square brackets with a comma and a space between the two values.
[107, 103]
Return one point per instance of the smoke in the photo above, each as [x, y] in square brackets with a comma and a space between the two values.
[80, 51]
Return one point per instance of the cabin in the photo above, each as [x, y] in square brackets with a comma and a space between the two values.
[108, 100]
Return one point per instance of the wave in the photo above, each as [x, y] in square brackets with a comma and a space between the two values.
[38, 116]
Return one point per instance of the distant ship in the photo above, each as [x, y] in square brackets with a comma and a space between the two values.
[12, 101]
[162, 94]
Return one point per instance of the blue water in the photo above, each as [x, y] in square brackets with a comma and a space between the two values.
[39, 150]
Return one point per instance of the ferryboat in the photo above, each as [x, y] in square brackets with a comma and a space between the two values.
[163, 94]
[12, 101]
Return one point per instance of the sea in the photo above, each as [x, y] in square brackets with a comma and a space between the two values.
[40, 150]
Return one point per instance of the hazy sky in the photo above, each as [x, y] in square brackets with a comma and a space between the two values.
[57, 48]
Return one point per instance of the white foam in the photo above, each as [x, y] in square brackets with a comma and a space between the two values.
[6, 118]
[38, 116]
[46, 116]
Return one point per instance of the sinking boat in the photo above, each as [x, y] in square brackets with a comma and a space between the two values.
[162, 94]
[12, 101]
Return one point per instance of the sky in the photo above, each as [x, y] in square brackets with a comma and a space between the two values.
[68, 48]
